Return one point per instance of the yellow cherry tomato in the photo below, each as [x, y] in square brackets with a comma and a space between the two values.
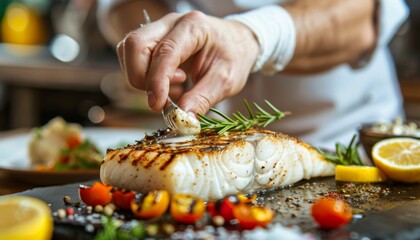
[187, 208]
[152, 205]
[250, 216]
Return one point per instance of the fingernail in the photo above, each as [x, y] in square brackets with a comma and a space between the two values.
[151, 98]
[191, 114]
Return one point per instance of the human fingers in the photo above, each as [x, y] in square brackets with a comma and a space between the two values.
[219, 82]
[120, 54]
[187, 37]
[222, 70]
[135, 50]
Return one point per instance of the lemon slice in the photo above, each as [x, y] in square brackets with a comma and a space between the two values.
[354, 173]
[398, 158]
[24, 217]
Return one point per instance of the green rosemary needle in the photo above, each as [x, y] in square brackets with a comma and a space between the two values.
[344, 155]
[238, 121]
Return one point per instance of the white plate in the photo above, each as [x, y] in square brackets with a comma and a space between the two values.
[14, 160]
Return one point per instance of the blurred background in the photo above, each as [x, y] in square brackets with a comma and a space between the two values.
[55, 62]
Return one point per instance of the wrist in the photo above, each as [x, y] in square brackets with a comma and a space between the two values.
[275, 32]
[249, 40]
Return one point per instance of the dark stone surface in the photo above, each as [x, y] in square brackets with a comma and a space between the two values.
[381, 211]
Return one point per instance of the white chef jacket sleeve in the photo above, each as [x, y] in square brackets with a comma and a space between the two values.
[392, 14]
[102, 15]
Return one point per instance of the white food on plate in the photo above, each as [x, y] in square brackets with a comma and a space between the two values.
[184, 123]
[46, 143]
[212, 166]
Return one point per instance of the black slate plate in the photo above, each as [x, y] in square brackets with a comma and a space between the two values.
[376, 206]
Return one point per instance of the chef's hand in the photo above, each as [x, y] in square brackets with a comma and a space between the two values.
[220, 52]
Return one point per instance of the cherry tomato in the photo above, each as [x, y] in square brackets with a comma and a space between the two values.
[122, 198]
[331, 212]
[250, 216]
[247, 198]
[187, 208]
[224, 207]
[152, 205]
[98, 194]
[73, 141]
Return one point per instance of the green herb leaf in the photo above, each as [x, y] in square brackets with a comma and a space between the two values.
[344, 155]
[114, 230]
[260, 118]
[109, 231]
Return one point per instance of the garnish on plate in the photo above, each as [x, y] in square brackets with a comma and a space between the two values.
[344, 155]
[261, 118]
[61, 146]
[115, 229]
[350, 167]
[330, 212]
[398, 158]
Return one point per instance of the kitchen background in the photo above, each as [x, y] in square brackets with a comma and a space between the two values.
[55, 62]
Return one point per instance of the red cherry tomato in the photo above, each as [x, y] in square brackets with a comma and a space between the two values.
[224, 207]
[73, 141]
[187, 208]
[250, 216]
[98, 194]
[122, 198]
[152, 205]
[331, 212]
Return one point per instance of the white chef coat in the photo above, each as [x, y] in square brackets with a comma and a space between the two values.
[327, 107]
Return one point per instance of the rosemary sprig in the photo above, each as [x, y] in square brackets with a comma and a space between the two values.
[238, 121]
[344, 155]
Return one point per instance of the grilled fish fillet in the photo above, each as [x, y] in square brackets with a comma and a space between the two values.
[211, 165]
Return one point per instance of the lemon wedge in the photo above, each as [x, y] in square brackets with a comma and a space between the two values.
[355, 173]
[398, 158]
[24, 217]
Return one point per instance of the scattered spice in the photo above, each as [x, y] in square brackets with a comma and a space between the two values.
[168, 228]
[152, 229]
[61, 213]
[108, 210]
[99, 208]
[67, 200]
[89, 209]
[218, 220]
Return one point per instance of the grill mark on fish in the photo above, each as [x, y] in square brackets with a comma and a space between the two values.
[151, 160]
[206, 143]
[167, 162]
[153, 155]
[113, 154]
[136, 160]
[124, 157]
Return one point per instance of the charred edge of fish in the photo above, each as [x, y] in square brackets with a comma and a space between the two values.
[108, 150]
